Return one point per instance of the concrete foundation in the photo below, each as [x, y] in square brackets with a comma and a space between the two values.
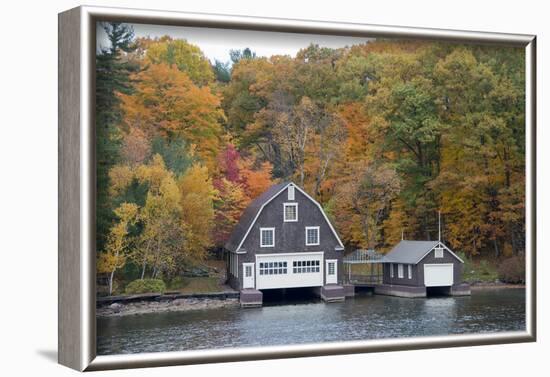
[413, 292]
[332, 293]
[460, 290]
[250, 298]
[400, 291]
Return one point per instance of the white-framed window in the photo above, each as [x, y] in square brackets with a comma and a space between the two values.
[439, 252]
[248, 271]
[312, 235]
[267, 237]
[290, 191]
[306, 266]
[290, 212]
[331, 268]
[410, 271]
[273, 268]
[400, 271]
[391, 270]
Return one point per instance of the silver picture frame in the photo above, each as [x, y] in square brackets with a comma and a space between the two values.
[76, 268]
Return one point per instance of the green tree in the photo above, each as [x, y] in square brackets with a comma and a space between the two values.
[185, 56]
[112, 76]
[222, 71]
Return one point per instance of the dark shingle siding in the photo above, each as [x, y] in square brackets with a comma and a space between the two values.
[249, 214]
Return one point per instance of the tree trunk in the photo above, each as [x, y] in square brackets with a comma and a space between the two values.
[111, 282]
[143, 269]
[321, 176]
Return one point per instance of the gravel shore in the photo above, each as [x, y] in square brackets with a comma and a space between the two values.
[494, 285]
[177, 305]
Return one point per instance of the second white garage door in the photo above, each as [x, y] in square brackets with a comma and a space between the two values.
[438, 275]
[289, 270]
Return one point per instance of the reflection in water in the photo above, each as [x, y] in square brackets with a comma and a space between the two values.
[293, 322]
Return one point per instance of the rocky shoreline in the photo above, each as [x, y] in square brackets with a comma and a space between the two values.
[494, 285]
[118, 309]
[156, 303]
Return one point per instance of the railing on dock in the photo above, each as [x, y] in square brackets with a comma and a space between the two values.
[363, 267]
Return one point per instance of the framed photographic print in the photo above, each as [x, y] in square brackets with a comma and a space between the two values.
[236, 188]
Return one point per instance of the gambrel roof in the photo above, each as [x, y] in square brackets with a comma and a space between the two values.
[252, 212]
[412, 252]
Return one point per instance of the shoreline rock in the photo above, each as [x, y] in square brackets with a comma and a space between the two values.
[494, 285]
[177, 305]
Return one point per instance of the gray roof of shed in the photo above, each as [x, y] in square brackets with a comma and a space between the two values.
[409, 252]
[249, 214]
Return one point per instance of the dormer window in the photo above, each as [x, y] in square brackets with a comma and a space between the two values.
[290, 212]
[312, 235]
[290, 192]
[439, 252]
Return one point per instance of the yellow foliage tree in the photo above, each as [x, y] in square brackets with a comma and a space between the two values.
[161, 243]
[120, 177]
[185, 56]
[197, 210]
[118, 242]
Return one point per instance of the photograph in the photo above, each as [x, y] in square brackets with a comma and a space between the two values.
[266, 188]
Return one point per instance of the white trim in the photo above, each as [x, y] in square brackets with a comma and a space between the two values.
[318, 235]
[391, 270]
[308, 253]
[293, 204]
[333, 277]
[409, 271]
[262, 238]
[400, 274]
[252, 277]
[273, 197]
[439, 244]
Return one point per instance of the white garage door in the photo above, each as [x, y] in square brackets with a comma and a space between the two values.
[438, 275]
[289, 270]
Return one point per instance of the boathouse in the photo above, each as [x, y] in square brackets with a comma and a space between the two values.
[284, 240]
[413, 268]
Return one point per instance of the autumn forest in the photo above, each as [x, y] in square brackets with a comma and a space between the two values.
[383, 134]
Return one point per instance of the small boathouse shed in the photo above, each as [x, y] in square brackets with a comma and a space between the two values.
[413, 267]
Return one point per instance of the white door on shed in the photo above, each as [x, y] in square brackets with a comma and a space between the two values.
[438, 275]
[289, 270]
[248, 275]
[332, 271]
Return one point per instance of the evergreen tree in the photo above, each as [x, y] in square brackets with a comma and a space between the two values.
[112, 77]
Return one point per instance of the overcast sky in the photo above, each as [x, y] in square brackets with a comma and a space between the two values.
[216, 43]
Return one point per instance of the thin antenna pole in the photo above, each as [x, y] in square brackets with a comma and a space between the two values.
[439, 226]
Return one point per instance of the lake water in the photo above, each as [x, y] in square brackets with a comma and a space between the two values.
[311, 321]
